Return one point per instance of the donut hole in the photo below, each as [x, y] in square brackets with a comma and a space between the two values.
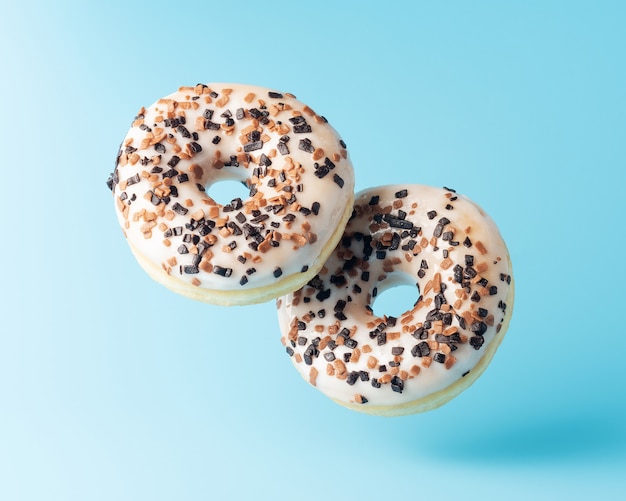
[394, 296]
[224, 191]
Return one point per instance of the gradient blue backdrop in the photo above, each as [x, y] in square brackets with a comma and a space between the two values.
[113, 388]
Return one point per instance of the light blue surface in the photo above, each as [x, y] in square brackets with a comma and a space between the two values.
[111, 387]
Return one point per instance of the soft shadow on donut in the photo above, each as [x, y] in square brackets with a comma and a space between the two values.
[453, 252]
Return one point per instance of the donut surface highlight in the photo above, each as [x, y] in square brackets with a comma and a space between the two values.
[433, 238]
[293, 162]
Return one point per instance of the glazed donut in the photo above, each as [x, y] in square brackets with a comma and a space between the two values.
[296, 167]
[433, 238]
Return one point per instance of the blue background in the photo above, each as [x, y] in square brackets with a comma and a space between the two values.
[112, 387]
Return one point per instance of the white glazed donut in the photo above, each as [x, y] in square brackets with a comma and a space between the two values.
[297, 168]
[453, 252]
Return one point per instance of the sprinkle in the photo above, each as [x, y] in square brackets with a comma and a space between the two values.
[224, 272]
[278, 272]
[439, 357]
[338, 180]
[401, 194]
[397, 384]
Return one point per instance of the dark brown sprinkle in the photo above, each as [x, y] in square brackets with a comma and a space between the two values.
[302, 129]
[179, 209]
[329, 356]
[183, 131]
[352, 378]
[397, 350]
[397, 384]
[282, 148]
[467, 242]
[159, 148]
[465, 373]
[323, 294]
[401, 193]
[250, 271]
[190, 269]
[397, 222]
[421, 349]
[420, 333]
[447, 236]
[321, 170]
[431, 214]
[478, 328]
[374, 200]
[264, 160]
[342, 143]
[493, 290]
[195, 147]
[224, 272]
[255, 145]
[278, 272]
[182, 249]
[449, 207]
[449, 189]
[288, 349]
[338, 180]
[182, 178]
[477, 341]
[376, 383]
[315, 208]
[306, 145]
[351, 343]
[381, 338]
[439, 357]
[209, 125]
[133, 180]
[275, 95]
[452, 338]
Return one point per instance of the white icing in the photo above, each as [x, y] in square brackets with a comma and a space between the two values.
[467, 220]
[152, 230]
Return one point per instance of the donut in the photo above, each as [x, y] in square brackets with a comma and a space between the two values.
[294, 164]
[430, 237]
